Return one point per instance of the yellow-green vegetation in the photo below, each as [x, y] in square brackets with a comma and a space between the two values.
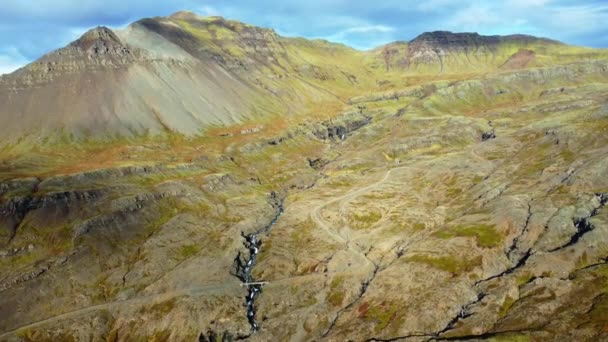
[485, 235]
[451, 264]
[187, 251]
[524, 278]
[159, 309]
[367, 219]
[104, 291]
[381, 315]
[48, 241]
[341, 182]
[511, 337]
[419, 226]
[380, 195]
[506, 306]
[302, 233]
[336, 292]
[160, 336]
[35, 335]
[582, 261]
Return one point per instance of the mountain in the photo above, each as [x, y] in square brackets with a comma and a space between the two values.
[186, 73]
[201, 179]
[178, 74]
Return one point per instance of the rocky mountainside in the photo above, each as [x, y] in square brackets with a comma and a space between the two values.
[176, 74]
[200, 179]
[186, 73]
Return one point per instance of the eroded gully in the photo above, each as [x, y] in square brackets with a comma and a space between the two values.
[244, 265]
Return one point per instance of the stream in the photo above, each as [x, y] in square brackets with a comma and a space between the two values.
[244, 265]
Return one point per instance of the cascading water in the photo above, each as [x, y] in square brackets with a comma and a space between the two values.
[244, 267]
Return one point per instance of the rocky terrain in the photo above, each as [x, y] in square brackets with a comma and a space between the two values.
[201, 179]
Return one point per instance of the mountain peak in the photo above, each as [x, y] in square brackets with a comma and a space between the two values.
[96, 35]
[463, 39]
[186, 15]
[100, 41]
[455, 48]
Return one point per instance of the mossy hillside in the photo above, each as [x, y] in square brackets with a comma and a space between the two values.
[506, 305]
[451, 264]
[336, 291]
[486, 235]
[380, 315]
[366, 219]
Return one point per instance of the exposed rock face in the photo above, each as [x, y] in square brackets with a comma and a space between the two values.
[520, 59]
[101, 41]
[97, 49]
[218, 68]
[345, 124]
[445, 48]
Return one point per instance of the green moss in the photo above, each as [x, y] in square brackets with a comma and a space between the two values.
[453, 192]
[42, 335]
[477, 179]
[382, 315]
[310, 301]
[599, 311]
[582, 261]
[187, 251]
[368, 218]
[485, 235]
[336, 298]
[160, 309]
[160, 336]
[336, 294]
[336, 281]
[510, 337]
[419, 226]
[567, 155]
[449, 264]
[524, 279]
[506, 306]
[379, 196]
[338, 183]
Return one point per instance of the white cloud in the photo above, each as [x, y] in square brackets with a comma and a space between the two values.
[7, 65]
[579, 19]
[527, 3]
[474, 18]
[436, 5]
[208, 11]
[363, 36]
[11, 60]
[369, 29]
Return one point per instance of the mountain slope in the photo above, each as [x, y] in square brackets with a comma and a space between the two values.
[165, 74]
[184, 74]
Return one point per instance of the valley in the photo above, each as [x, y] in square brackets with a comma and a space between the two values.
[449, 188]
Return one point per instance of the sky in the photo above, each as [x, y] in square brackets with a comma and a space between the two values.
[29, 29]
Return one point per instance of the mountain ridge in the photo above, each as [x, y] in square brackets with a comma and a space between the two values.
[271, 74]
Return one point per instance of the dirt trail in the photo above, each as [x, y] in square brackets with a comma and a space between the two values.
[318, 219]
[193, 291]
[316, 212]
[223, 288]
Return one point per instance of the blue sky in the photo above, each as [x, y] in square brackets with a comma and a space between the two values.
[31, 28]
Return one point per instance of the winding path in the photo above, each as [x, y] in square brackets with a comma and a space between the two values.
[223, 287]
[315, 215]
[318, 219]
[193, 291]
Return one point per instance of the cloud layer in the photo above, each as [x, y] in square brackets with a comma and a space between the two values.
[30, 29]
